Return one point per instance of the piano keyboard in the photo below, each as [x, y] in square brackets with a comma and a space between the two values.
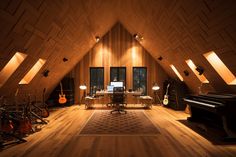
[202, 103]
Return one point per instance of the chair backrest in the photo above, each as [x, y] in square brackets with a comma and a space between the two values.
[118, 95]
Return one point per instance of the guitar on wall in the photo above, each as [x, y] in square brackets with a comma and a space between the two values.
[166, 101]
[62, 96]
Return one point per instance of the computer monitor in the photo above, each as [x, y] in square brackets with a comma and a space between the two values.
[117, 84]
[110, 88]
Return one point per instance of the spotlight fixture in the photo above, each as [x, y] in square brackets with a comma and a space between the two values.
[138, 37]
[160, 58]
[65, 59]
[97, 38]
[200, 70]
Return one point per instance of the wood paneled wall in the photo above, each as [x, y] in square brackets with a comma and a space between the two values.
[118, 48]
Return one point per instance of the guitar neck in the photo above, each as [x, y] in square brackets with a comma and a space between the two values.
[167, 89]
[61, 88]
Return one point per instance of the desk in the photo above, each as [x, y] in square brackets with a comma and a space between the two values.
[146, 101]
[128, 95]
[134, 93]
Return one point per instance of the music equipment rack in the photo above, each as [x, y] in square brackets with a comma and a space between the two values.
[176, 92]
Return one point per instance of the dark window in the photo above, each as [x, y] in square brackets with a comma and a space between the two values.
[140, 79]
[118, 74]
[96, 79]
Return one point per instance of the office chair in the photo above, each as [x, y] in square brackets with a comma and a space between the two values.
[118, 98]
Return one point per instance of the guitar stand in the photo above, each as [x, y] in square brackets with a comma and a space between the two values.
[33, 104]
[17, 141]
[156, 96]
[159, 99]
[38, 117]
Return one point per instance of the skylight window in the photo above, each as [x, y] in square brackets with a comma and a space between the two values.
[11, 67]
[33, 71]
[176, 72]
[193, 67]
[220, 68]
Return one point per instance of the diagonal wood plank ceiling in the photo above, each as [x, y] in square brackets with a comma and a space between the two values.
[175, 30]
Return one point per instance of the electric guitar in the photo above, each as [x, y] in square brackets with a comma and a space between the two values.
[62, 96]
[166, 101]
[25, 124]
[6, 124]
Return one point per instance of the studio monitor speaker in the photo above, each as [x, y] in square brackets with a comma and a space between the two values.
[160, 58]
[65, 59]
[186, 73]
[200, 70]
[45, 73]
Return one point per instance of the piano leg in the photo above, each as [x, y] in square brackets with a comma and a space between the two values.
[193, 114]
[230, 134]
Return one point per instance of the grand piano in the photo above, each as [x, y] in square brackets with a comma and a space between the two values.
[214, 110]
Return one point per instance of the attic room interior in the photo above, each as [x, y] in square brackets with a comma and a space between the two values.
[136, 78]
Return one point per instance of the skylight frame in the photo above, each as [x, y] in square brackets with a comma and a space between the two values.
[11, 67]
[220, 68]
[193, 67]
[177, 72]
[32, 72]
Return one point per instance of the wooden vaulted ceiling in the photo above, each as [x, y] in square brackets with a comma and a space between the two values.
[175, 30]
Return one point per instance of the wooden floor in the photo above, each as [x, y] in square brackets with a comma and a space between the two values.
[60, 138]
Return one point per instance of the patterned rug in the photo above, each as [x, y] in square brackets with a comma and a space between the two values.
[132, 123]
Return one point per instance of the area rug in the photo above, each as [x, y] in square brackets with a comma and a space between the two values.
[133, 123]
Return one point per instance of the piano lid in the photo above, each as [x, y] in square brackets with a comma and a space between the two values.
[219, 96]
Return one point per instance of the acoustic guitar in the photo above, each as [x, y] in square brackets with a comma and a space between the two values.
[166, 101]
[62, 96]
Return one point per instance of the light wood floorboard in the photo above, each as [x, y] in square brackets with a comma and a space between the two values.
[61, 138]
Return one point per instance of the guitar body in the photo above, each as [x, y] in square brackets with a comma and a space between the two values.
[45, 113]
[165, 101]
[25, 126]
[7, 125]
[62, 99]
